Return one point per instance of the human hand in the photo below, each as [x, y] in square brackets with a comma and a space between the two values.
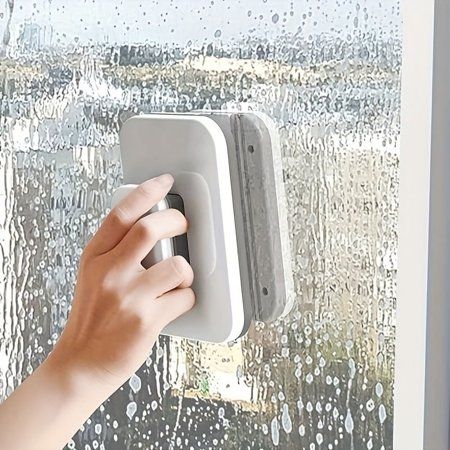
[119, 307]
[118, 311]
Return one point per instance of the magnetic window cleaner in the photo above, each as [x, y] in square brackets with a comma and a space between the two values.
[228, 183]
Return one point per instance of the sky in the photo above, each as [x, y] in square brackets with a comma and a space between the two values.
[181, 21]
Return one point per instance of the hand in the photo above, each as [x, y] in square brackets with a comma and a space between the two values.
[118, 311]
[119, 307]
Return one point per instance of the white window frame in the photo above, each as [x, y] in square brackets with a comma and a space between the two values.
[422, 374]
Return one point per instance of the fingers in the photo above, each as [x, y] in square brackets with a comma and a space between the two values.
[171, 273]
[146, 232]
[173, 304]
[128, 211]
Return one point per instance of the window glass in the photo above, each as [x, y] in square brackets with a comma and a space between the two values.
[328, 73]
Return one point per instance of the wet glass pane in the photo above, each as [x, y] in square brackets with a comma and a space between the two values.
[328, 73]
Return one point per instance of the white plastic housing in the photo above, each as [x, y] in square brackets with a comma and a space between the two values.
[194, 150]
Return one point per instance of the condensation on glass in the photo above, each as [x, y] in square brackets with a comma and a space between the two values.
[328, 73]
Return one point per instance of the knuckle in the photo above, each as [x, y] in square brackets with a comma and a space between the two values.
[138, 320]
[108, 285]
[117, 216]
[145, 229]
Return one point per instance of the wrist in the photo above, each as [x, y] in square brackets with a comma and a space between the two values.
[53, 403]
[77, 377]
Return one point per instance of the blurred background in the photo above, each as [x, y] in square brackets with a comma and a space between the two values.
[328, 73]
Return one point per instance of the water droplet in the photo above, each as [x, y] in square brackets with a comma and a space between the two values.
[382, 414]
[319, 438]
[352, 368]
[131, 409]
[286, 419]
[135, 383]
[275, 431]
[349, 422]
[370, 405]
[335, 413]
[379, 389]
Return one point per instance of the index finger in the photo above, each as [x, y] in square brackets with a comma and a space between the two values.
[128, 211]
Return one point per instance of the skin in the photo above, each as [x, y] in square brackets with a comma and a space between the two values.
[118, 311]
